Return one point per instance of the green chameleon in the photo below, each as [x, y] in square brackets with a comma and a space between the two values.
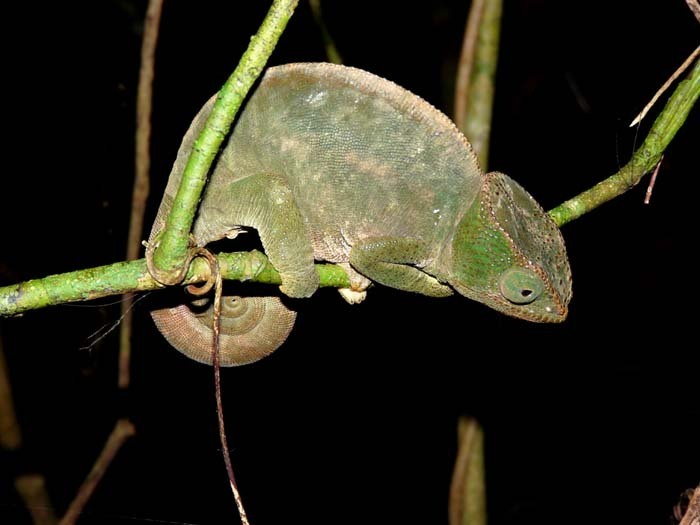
[331, 163]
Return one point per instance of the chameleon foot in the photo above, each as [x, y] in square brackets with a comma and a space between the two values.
[358, 285]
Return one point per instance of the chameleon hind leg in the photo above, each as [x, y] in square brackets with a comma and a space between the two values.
[393, 261]
[264, 202]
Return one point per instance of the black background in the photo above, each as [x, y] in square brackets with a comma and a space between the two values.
[354, 418]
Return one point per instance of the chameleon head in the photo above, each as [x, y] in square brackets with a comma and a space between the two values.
[508, 254]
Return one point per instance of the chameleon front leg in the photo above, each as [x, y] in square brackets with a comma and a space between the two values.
[392, 261]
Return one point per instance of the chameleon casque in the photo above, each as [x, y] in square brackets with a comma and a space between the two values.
[331, 163]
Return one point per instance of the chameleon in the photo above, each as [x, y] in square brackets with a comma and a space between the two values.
[332, 163]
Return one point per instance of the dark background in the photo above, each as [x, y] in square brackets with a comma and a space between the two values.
[354, 418]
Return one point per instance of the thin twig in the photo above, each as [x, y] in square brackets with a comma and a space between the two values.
[218, 293]
[122, 431]
[652, 181]
[685, 65]
[144, 104]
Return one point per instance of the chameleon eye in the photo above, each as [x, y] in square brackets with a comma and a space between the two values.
[520, 285]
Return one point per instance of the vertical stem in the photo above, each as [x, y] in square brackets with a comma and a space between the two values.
[480, 58]
[468, 489]
[32, 490]
[144, 104]
[466, 62]
[30, 487]
[10, 435]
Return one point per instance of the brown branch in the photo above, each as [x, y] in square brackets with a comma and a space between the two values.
[694, 6]
[122, 431]
[692, 514]
[467, 504]
[466, 62]
[30, 487]
[10, 435]
[144, 103]
[32, 490]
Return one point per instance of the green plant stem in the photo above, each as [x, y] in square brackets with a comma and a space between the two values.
[114, 279]
[644, 159]
[474, 90]
[172, 252]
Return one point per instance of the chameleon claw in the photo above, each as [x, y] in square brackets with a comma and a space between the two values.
[357, 292]
[352, 296]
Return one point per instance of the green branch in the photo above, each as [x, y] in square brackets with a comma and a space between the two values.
[172, 252]
[133, 276]
[644, 159]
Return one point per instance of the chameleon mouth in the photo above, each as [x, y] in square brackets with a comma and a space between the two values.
[555, 315]
[545, 305]
[549, 312]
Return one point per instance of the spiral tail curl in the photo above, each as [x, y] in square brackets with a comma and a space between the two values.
[251, 328]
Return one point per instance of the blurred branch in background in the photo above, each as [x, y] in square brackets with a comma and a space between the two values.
[473, 110]
[476, 73]
[332, 52]
[30, 486]
[467, 505]
[144, 104]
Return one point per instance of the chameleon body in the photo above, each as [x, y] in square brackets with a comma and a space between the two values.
[331, 163]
